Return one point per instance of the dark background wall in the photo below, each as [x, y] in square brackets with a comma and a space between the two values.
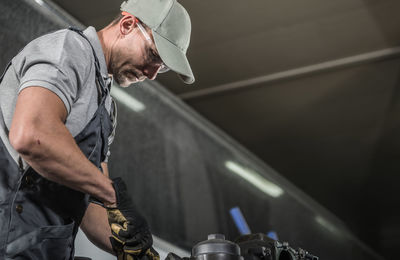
[334, 134]
[186, 175]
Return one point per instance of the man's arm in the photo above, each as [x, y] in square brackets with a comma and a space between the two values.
[39, 135]
[96, 228]
[95, 224]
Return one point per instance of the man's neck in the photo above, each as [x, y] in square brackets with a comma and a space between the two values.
[107, 39]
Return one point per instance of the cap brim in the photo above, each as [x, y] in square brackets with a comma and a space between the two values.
[174, 58]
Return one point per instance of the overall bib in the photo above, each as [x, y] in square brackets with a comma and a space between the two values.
[39, 218]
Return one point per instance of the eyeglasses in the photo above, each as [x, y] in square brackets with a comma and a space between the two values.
[155, 57]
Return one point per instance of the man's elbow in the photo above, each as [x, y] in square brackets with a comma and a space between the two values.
[23, 140]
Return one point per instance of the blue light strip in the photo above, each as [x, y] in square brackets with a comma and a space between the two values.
[273, 235]
[239, 220]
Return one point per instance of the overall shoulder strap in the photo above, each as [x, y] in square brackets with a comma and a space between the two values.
[103, 89]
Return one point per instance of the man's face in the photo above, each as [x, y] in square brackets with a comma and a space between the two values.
[133, 58]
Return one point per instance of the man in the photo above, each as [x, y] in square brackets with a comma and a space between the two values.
[57, 120]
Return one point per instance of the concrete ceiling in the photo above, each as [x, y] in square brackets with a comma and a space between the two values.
[236, 40]
[331, 132]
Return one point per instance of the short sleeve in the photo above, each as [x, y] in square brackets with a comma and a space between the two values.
[59, 62]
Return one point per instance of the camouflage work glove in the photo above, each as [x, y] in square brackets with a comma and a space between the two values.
[124, 253]
[130, 231]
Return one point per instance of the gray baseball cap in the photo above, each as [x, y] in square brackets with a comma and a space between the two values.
[171, 28]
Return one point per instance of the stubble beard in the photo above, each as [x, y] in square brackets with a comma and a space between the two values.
[118, 73]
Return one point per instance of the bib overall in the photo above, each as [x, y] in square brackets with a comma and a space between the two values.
[39, 218]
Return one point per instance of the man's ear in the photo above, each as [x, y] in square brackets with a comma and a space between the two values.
[127, 24]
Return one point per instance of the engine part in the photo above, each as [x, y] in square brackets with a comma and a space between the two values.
[246, 247]
[260, 247]
[216, 248]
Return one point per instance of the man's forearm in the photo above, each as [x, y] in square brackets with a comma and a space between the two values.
[96, 227]
[54, 154]
[39, 134]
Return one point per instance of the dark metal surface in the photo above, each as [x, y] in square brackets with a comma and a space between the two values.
[216, 244]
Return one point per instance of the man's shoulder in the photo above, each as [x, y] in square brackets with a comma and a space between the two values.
[59, 47]
[62, 39]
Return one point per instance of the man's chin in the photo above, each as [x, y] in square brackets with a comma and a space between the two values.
[127, 82]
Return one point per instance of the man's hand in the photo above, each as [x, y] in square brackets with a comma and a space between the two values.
[130, 231]
[123, 253]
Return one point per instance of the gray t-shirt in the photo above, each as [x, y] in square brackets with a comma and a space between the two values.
[63, 63]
